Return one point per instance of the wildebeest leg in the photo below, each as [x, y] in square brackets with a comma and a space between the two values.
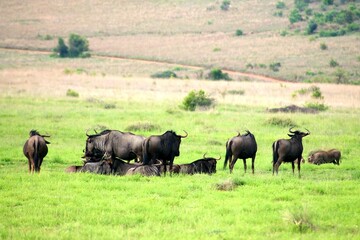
[245, 167]
[299, 160]
[253, 164]
[277, 165]
[293, 167]
[232, 164]
[29, 162]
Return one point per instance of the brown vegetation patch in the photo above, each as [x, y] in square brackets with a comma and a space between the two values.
[293, 109]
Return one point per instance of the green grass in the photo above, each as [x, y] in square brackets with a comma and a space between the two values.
[57, 205]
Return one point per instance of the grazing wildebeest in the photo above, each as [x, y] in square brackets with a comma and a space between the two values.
[204, 165]
[243, 147]
[321, 157]
[35, 149]
[164, 147]
[288, 150]
[111, 144]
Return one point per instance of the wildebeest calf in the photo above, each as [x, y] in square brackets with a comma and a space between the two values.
[320, 157]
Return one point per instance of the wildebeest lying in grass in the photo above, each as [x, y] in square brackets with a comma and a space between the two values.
[35, 149]
[175, 168]
[144, 170]
[205, 165]
[320, 157]
[98, 167]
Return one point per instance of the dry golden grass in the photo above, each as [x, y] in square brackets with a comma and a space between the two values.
[185, 32]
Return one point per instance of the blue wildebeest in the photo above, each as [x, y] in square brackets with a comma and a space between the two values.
[163, 147]
[205, 165]
[111, 144]
[243, 147]
[35, 149]
[288, 150]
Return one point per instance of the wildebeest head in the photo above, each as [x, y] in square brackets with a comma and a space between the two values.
[298, 134]
[94, 143]
[173, 140]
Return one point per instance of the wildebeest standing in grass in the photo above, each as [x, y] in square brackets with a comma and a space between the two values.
[321, 157]
[111, 144]
[163, 147]
[288, 150]
[243, 147]
[35, 149]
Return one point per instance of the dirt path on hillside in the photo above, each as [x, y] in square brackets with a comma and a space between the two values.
[232, 72]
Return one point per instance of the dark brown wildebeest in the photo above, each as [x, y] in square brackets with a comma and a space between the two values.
[288, 150]
[111, 144]
[102, 167]
[205, 165]
[320, 157]
[35, 149]
[164, 147]
[243, 147]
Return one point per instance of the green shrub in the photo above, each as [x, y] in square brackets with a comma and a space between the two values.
[239, 32]
[316, 106]
[341, 76]
[280, 5]
[333, 63]
[78, 47]
[316, 92]
[328, 2]
[353, 27]
[196, 99]
[281, 122]
[312, 26]
[295, 16]
[275, 66]
[236, 92]
[323, 46]
[164, 74]
[332, 33]
[109, 106]
[72, 93]
[301, 4]
[225, 5]
[217, 74]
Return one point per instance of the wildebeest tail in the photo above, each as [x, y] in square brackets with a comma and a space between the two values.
[36, 155]
[146, 158]
[275, 148]
[228, 152]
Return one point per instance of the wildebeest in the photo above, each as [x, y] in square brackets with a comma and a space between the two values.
[120, 167]
[163, 147]
[144, 170]
[204, 165]
[321, 157]
[243, 147]
[111, 144]
[35, 149]
[102, 167]
[288, 150]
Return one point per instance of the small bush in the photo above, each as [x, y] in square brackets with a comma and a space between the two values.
[236, 92]
[317, 106]
[239, 32]
[328, 2]
[217, 74]
[333, 63]
[109, 106]
[316, 92]
[225, 5]
[323, 46]
[295, 16]
[275, 66]
[300, 220]
[280, 5]
[143, 126]
[78, 47]
[164, 74]
[72, 93]
[281, 122]
[229, 184]
[196, 99]
[341, 76]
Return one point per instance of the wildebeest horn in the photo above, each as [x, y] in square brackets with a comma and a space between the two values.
[238, 133]
[185, 135]
[217, 159]
[87, 132]
[204, 155]
[307, 130]
[290, 130]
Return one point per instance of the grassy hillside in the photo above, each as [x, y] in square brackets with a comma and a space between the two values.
[187, 32]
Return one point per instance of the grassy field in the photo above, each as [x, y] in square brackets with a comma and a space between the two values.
[118, 94]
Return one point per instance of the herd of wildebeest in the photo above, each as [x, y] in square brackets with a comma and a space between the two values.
[110, 152]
